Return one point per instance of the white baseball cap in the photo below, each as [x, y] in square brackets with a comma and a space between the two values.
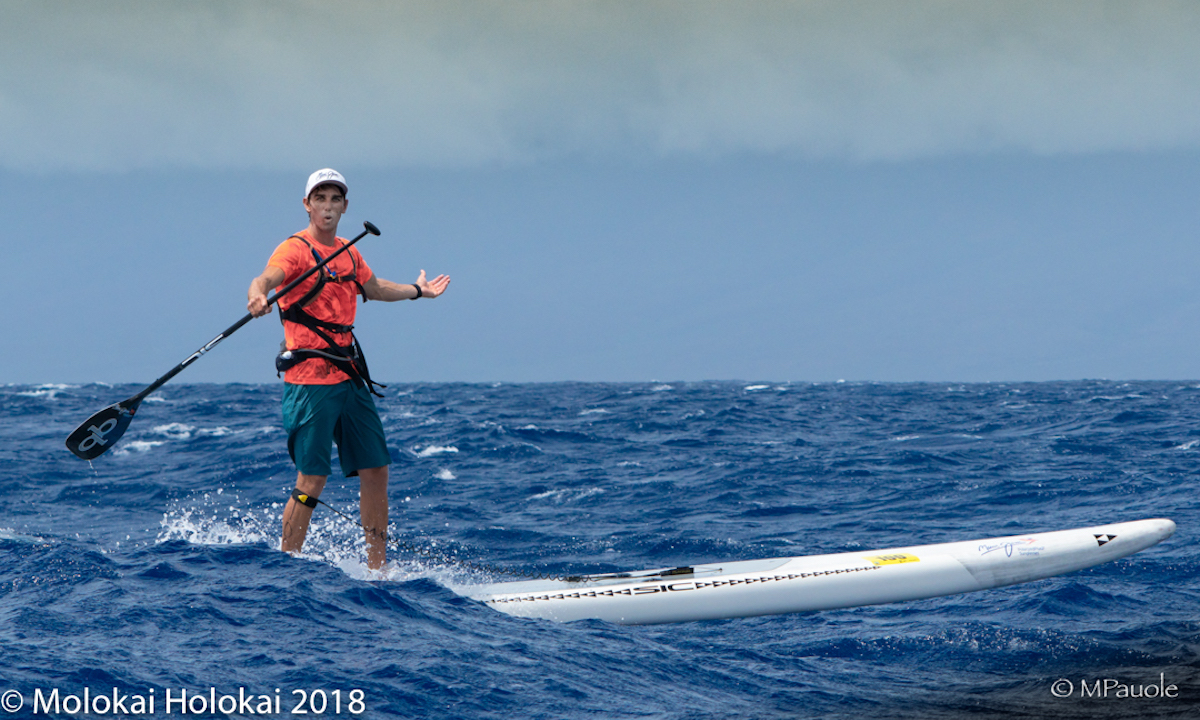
[323, 177]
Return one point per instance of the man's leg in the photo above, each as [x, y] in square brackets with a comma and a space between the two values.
[296, 515]
[374, 512]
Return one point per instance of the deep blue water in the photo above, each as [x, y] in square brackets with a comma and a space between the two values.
[156, 568]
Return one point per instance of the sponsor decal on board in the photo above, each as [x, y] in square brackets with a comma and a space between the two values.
[679, 586]
[1024, 547]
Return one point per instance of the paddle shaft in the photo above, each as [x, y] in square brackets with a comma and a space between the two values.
[136, 400]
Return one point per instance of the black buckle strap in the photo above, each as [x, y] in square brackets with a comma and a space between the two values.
[296, 314]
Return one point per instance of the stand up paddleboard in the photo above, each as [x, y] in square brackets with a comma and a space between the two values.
[820, 582]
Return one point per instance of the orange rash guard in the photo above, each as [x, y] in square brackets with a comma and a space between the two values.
[335, 303]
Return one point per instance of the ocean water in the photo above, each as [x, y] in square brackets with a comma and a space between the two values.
[154, 570]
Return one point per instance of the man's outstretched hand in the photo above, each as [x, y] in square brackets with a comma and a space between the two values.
[432, 288]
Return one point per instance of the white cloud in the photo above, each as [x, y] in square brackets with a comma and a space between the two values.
[292, 84]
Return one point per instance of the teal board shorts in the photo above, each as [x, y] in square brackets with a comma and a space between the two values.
[316, 416]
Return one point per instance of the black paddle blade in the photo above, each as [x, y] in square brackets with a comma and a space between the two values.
[100, 431]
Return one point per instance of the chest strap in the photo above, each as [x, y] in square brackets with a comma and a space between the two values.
[323, 277]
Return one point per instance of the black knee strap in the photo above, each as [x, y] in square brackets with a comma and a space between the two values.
[304, 498]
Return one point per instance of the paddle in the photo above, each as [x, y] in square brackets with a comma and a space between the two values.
[98, 433]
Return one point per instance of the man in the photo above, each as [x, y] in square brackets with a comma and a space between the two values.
[327, 391]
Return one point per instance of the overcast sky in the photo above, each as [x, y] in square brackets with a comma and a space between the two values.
[619, 190]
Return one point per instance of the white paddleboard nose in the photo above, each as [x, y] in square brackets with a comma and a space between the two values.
[1138, 535]
[1162, 528]
[1153, 530]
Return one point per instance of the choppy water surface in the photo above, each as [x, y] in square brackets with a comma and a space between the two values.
[155, 568]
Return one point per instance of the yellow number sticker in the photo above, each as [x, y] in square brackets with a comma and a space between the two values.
[895, 559]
